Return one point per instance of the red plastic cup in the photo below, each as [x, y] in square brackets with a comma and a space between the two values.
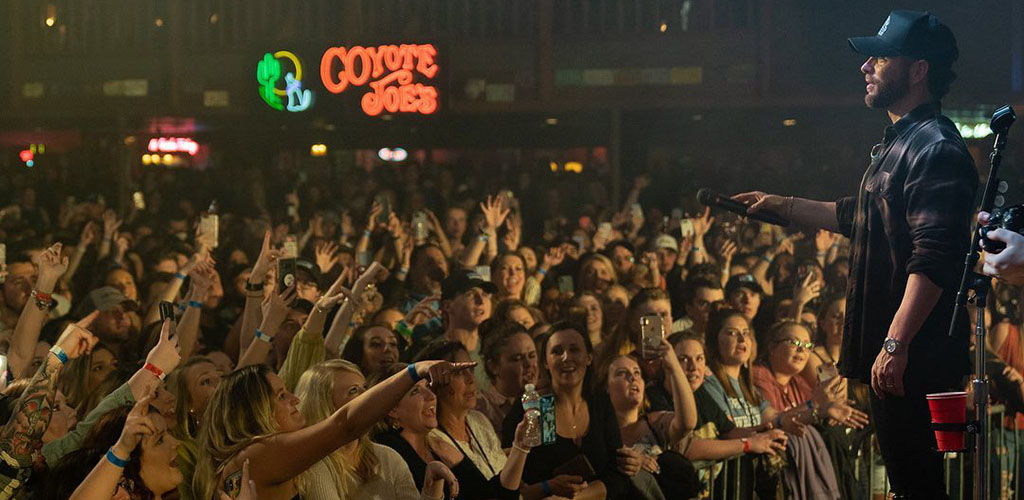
[949, 408]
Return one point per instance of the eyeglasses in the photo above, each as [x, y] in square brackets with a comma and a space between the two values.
[798, 344]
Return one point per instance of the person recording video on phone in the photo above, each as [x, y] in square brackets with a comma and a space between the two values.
[908, 225]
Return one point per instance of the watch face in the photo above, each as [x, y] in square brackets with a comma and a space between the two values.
[890, 346]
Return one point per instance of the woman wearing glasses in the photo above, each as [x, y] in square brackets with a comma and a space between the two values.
[801, 407]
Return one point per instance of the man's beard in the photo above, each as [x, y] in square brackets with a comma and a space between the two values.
[888, 93]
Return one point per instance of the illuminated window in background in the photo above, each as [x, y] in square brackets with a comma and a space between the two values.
[268, 74]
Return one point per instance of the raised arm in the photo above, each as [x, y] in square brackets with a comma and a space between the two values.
[281, 457]
[26, 333]
[23, 432]
[251, 315]
[275, 309]
[684, 406]
[164, 357]
[202, 279]
[340, 326]
[105, 475]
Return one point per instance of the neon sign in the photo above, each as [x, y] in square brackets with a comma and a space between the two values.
[386, 65]
[268, 73]
[173, 145]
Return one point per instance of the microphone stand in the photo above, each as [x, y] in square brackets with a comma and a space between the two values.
[1002, 119]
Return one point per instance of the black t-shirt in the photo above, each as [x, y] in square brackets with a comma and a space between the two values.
[709, 412]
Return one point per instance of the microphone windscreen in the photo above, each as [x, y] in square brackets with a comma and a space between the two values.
[706, 196]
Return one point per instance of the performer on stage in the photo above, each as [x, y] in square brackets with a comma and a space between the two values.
[909, 225]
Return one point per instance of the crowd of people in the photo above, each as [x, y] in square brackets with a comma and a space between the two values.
[377, 344]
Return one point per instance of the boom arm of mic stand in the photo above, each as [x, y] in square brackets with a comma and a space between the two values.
[970, 279]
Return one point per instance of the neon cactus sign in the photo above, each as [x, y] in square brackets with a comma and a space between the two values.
[268, 73]
[386, 65]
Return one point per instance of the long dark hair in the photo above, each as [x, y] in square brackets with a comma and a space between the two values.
[65, 476]
[716, 320]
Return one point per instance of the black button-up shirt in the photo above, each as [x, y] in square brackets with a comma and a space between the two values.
[912, 215]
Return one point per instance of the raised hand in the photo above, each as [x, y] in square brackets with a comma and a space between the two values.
[727, 251]
[110, 224]
[137, 425]
[165, 354]
[823, 240]
[334, 295]
[203, 277]
[702, 223]
[275, 307]
[439, 373]
[326, 255]
[268, 256]
[553, 258]
[52, 265]
[806, 290]
[513, 234]
[422, 312]
[494, 213]
[77, 340]
[375, 210]
[88, 236]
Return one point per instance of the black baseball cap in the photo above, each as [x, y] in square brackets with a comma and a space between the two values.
[461, 281]
[743, 281]
[918, 35]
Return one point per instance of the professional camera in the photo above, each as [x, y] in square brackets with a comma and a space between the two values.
[1009, 218]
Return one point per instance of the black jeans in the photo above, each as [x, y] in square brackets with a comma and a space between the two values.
[907, 442]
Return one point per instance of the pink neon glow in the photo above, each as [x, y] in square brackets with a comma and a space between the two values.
[173, 145]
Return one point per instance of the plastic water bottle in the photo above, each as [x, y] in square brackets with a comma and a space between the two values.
[531, 405]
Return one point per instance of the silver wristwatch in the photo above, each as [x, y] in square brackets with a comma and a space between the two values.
[894, 347]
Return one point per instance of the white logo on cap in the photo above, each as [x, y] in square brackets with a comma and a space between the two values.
[885, 26]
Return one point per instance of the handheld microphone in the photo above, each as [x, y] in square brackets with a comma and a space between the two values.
[713, 199]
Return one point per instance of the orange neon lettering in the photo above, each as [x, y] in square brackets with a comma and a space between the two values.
[392, 57]
[377, 55]
[365, 69]
[408, 53]
[428, 98]
[392, 68]
[426, 65]
[326, 63]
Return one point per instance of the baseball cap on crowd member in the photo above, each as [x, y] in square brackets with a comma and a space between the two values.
[461, 281]
[103, 299]
[747, 281]
[918, 35]
[666, 241]
[308, 272]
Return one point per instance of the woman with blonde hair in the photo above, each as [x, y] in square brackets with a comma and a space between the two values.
[252, 417]
[361, 468]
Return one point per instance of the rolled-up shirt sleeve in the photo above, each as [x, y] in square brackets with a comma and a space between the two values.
[845, 211]
[939, 194]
